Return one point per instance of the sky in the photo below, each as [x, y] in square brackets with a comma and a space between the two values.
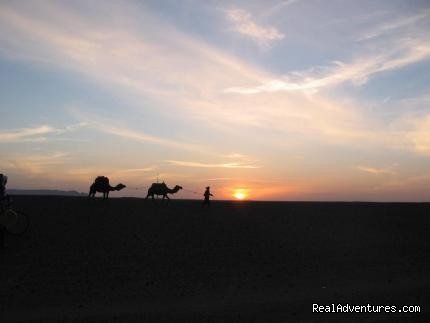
[268, 100]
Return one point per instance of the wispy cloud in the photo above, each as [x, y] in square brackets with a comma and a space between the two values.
[132, 62]
[244, 23]
[38, 133]
[210, 165]
[407, 184]
[35, 163]
[143, 137]
[114, 57]
[391, 26]
[419, 135]
[186, 77]
[140, 136]
[377, 171]
[236, 156]
[403, 53]
[25, 134]
[220, 179]
[139, 170]
[278, 7]
[85, 174]
[238, 180]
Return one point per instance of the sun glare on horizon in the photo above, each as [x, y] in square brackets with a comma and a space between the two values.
[240, 194]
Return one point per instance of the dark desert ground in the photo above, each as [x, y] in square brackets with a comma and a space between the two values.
[124, 260]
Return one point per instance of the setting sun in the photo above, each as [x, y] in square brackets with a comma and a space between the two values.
[239, 194]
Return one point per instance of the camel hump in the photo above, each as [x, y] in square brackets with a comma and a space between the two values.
[159, 184]
[101, 180]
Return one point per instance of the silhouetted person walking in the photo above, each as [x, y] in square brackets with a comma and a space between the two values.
[207, 194]
[3, 182]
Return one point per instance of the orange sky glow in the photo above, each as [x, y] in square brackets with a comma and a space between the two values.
[260, 100]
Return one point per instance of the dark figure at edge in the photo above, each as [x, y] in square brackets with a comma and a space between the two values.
[3, 199]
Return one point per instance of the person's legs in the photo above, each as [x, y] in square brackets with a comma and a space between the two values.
[205, 202]
[2, 236]
[3, 200]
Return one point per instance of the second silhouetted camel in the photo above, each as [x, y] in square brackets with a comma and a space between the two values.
[162, 189]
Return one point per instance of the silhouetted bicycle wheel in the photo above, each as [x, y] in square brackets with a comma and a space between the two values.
[16, 222]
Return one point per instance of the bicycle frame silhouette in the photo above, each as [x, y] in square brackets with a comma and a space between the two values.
[15, 222]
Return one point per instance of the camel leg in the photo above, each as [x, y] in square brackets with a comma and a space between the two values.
[150, 195]
[92, 192]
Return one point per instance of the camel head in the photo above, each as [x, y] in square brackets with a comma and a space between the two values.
[119, 187]
[177, 188]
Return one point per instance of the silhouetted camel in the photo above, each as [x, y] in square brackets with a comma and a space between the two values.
[101, 184]
[161, 189]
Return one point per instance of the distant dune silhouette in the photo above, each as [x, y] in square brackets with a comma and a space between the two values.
[44, 192]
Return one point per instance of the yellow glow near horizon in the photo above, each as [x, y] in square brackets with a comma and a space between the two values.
[239, 194]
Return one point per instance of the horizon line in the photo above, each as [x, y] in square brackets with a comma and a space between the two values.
[84, 195]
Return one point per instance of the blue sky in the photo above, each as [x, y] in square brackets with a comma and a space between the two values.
[283, 100]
